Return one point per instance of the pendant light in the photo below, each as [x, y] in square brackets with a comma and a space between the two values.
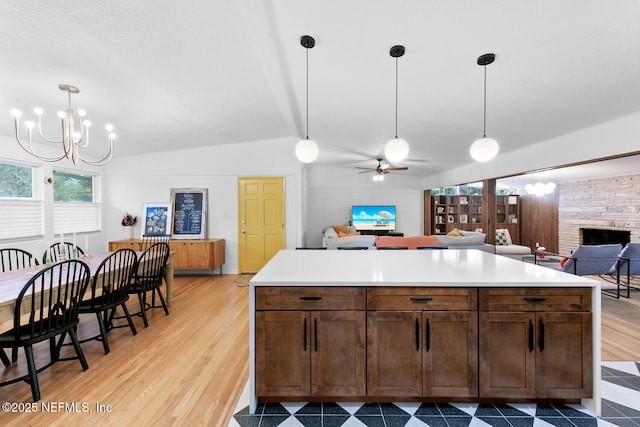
[484, 149]
[307, 149]
[396, 149]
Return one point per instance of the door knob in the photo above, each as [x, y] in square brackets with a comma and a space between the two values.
[242, 231]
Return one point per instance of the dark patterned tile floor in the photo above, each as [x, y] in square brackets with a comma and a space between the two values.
[620, 406]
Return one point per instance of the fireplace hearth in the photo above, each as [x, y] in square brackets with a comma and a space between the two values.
[595, 236]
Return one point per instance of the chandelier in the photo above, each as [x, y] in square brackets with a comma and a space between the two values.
[540, 189]
[72, 139]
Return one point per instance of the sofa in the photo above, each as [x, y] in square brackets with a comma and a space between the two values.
[341, 236]
[505, 246]
[345, 236]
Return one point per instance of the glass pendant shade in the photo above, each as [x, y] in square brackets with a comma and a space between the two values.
[484, 149]
[396, 150]
[540, 189]
[306, 150]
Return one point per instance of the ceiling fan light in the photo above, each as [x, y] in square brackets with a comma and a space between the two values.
[306, 150]
[484, 149]
[396, 150]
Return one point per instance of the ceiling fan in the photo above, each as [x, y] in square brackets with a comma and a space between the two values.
[382, 168]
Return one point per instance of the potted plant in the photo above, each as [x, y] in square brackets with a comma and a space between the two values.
[128, 221]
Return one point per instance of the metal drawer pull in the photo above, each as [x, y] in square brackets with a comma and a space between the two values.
[417, 335]
[531, 337]
[535, 299]
[421, 299]
[305, 334]
[310, 298]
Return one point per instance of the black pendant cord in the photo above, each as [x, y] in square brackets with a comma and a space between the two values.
[484, 125]
[307, 50]
[396, 97]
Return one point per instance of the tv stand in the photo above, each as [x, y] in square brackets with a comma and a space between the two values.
[381, 233]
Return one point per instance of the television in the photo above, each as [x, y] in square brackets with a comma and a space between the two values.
[373, 217]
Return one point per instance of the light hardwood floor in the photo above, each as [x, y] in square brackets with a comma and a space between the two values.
[187, 368]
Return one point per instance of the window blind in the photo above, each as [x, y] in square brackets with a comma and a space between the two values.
[76, 218]
[21, 218]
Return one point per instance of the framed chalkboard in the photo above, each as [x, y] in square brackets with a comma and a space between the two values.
[189, 213]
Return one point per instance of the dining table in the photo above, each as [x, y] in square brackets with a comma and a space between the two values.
[12, 282]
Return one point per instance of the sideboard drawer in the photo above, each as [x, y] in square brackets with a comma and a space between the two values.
[310, 298]
[434, 299]
[535, 299]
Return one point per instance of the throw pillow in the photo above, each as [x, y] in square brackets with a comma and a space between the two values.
[501, 238]
[564, 261]
[341, 228]
[454, 232]
[341, 234]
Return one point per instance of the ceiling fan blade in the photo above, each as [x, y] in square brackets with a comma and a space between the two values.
[366, 171]
[397, 169]
[384, 165]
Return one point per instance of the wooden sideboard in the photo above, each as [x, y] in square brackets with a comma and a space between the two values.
[203, 254]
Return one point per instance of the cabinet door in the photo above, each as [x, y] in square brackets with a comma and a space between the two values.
[192, 255]
[394, 353]
[282, 353]
[450, 353]
[338, 358]
[507, 354]
[563, 361]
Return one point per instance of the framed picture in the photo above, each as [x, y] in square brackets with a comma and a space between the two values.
[464, 218]
[156, 219]
[189, 213]
[451, 218]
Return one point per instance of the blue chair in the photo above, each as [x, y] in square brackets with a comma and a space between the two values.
[628, 264]
[594, 260]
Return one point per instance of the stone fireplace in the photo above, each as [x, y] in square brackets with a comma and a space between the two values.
[611, 206]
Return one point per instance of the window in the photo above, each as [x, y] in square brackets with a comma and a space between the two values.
[16, 181]
[22, 215]
[75, 208]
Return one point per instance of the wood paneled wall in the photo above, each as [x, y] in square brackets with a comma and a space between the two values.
[539, 221]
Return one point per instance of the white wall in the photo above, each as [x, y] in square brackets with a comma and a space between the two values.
[135, 180]
[332, 191]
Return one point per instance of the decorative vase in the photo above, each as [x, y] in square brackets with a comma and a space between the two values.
[128, 232]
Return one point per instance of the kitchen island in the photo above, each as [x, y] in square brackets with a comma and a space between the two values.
[431, 325]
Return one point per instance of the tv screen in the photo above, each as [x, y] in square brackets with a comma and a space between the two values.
[378, 217]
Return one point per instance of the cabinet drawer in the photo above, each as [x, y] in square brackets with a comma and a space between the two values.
[436, 299]
[310, 298]
[535, 299]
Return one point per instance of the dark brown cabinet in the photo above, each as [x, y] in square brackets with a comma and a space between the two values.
[535, 343]
[422, 342]
[304, 352]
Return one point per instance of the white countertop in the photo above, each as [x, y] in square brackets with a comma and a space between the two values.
[449, 267]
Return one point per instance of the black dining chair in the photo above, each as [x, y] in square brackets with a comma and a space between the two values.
[60, 252]
[428, 248]
[15, 259]
[392, 248]
[110, 289]
[352, 248]
[311, 248]
[148, 277]
[47, 307]
[152, 239]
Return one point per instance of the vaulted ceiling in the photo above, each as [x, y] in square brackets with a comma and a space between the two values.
[177, 74]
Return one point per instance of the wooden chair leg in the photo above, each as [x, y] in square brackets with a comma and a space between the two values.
[103, 332]
[4, 358]
[143, 310]
[79, 351]
[129, 319]
[164, 304]
[33, 374]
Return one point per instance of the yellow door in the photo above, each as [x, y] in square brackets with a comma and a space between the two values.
[260, 221]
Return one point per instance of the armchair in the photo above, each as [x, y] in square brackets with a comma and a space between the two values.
[596, 260]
